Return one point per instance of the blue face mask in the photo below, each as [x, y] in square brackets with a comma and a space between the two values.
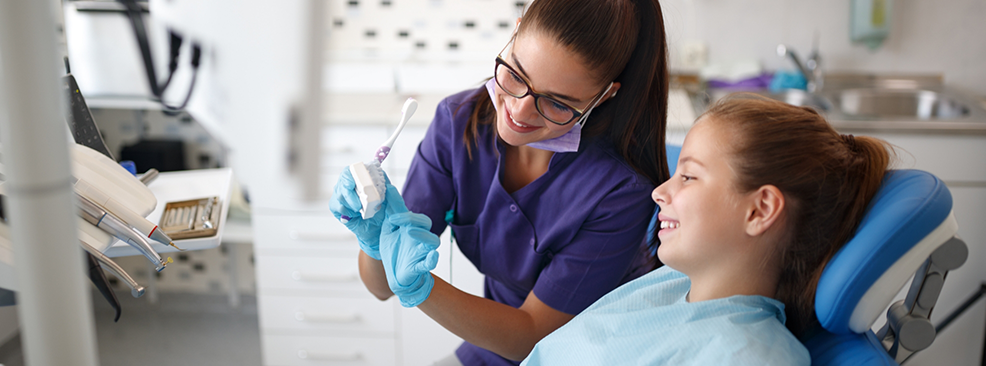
[569, 142]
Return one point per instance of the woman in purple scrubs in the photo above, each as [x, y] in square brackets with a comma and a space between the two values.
[550, 205]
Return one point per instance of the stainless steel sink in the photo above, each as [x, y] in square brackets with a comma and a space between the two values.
[802, 98]
[874, 103]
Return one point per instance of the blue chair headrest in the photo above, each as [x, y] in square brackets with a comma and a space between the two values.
[673, 151]
[909, 217]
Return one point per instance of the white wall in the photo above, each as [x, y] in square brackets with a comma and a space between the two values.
[8, 323]
[926, 36]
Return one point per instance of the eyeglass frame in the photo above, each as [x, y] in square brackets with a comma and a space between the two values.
[581, 114]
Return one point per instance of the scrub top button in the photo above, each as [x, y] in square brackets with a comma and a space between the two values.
[532, 241]
[513, 208]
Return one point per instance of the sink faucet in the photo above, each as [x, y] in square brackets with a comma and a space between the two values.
[811, 69]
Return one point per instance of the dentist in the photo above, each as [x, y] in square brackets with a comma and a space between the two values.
[544, 200]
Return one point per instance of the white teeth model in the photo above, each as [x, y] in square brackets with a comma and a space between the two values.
[670, 225]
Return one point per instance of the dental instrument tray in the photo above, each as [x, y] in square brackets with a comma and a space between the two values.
[194, 218]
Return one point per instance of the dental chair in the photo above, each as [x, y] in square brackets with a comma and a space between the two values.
[908, 232]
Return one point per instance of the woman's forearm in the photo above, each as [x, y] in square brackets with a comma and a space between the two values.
[507, 331]
[373, 276]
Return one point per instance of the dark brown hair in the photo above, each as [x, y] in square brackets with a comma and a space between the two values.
[620, 40]
[827, 180]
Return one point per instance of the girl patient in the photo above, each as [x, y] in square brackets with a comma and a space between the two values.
[764, 194]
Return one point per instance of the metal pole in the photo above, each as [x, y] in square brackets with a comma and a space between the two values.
[55, 307]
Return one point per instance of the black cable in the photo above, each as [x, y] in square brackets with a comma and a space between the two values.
[196, 57]
[175, 40]
[962, 308]
[140, 32]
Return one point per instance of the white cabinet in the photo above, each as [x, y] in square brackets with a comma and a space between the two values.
[322, 350]
[313, 307]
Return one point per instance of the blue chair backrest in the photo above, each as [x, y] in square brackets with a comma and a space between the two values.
[909, 217]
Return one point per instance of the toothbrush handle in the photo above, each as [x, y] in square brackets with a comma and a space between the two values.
[410, 106]
[390, 142]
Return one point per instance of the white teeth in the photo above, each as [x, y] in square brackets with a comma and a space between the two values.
[518, 123]
[670, 225]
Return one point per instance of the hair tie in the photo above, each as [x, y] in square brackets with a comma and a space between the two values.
[850, 142]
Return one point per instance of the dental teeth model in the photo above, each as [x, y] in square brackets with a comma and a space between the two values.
[370, 183]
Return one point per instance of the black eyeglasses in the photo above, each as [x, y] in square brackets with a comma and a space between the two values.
[553, 110]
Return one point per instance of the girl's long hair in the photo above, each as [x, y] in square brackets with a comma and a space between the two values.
[827, 180]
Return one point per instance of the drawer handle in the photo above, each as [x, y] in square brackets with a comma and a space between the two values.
[326, 318]
[329, 356]
[319, 236]
[322, 278]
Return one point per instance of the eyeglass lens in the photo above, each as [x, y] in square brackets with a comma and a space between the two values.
[514, 85]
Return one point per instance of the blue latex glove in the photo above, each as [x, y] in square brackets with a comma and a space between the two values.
[409, 251]
[345, 206]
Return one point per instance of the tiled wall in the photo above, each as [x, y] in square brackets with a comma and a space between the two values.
[926, 36]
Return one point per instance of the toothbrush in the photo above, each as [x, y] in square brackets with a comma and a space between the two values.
[369, 177]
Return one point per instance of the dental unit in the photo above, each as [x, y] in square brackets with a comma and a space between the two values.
[128, 216]
[101, 218]
[370, 183]
[108, 264]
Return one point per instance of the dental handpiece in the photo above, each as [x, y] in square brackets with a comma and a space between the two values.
[138, 222]
[112, 224]
[108, 264]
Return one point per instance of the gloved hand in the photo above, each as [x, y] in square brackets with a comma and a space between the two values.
[345, 206]
[409, 252]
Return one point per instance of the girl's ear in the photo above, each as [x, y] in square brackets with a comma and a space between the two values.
[766, 207]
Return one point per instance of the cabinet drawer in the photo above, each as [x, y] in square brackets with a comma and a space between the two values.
[303, 231]
[328, 351]
[346, 315]
[309, 273]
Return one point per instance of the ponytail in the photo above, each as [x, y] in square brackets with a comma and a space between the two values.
[826, 178]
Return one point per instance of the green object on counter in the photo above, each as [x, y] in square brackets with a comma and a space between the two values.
[870, 22]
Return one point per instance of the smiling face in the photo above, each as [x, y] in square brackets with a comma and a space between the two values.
[702, 213]
[550, 69]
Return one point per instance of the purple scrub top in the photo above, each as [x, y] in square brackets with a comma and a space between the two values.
[571, 235]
